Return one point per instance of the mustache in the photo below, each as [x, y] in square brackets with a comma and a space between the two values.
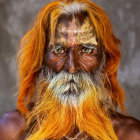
[67, 87]
[72, 88]
[48, 74]
[64, 78]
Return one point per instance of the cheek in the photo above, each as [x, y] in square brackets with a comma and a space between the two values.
[89, 63]
[55, 62]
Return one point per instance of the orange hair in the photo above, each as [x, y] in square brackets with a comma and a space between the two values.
[30, 56]
[53, 120]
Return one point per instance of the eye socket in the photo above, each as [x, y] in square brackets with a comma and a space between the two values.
[87, 50]
[59, 50]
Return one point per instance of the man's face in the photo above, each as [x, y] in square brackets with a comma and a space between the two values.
[74, 56]
[75, 47]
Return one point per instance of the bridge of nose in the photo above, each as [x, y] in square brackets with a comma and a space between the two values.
[71, 64]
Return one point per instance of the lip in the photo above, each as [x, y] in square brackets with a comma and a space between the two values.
[71, 82]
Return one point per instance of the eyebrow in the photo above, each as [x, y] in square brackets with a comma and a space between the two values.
[58, 45]
[89, 45]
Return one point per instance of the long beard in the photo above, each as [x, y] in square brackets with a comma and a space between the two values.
[72, 89]
[67, 100]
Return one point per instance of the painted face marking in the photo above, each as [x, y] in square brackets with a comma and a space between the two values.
[72, 34]
[75, 33]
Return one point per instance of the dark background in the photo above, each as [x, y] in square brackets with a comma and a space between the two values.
[15, 18]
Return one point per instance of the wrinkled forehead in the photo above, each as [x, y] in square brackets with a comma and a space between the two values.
[75, 29]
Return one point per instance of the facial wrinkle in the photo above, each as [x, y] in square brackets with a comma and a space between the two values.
[75, 33]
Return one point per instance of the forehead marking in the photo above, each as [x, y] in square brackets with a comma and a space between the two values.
[72, 34]
[75, 33]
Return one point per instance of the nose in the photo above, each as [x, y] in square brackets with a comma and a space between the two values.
[71, 66]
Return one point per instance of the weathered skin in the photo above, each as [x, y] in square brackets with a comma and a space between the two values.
[75, 49]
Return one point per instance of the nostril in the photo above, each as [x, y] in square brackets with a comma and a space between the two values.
[72, 70]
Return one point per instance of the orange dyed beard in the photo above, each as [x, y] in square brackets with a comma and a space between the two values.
[54, 118]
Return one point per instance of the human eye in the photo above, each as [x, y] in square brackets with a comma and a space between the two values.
[59, 49]
[88, 48]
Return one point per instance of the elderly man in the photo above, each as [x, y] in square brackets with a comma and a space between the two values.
[69, 90]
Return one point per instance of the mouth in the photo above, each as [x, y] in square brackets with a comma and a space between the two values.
[74, 89]
[71, 82]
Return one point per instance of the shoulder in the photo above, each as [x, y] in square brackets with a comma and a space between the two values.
[11, 124]
[126, 127]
